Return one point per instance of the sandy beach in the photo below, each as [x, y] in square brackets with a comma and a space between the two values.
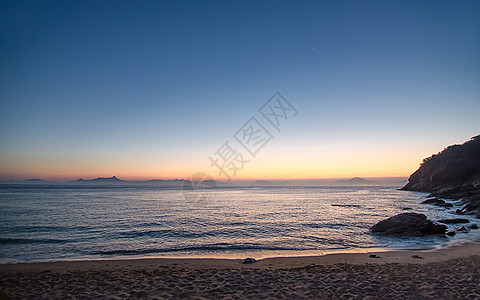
[449, 273]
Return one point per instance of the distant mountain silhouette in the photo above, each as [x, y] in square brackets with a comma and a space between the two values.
[163, 180]
[30, 181]
[263, 182]
[114, 180]
[100, 179]
[452, 173]
[355, 181]
[209, 181]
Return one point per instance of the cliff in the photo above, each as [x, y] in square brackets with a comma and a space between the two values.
[452, 173]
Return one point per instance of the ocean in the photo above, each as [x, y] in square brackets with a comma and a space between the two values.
[43, 223]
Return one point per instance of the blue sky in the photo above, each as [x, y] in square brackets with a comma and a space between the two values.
[152, 88]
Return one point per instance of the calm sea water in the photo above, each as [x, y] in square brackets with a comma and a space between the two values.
[58, 223]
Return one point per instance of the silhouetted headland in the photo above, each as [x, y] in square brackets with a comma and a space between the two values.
[453, 173]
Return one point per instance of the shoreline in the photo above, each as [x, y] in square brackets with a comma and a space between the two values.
[296, 259]
[257, 254]
[449, 272]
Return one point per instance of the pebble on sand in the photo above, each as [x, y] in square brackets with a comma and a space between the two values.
[249, 260]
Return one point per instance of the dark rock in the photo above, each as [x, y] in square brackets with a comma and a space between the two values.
[410, 224]
[444, 204]
[407, 208]
[462, 229]
[453, 221]
[473, 226]
[374, 256]
[473, 206]
[249, 260]
[431, 201]
[417, 256]
[458, 212]
[450, 233]
[437, 202]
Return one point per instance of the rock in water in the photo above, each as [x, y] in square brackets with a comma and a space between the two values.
[410, 224]
[437, 202]
[453, 221]
[444, 204]
[430, 201]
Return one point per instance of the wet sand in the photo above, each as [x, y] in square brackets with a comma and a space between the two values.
[450, 273]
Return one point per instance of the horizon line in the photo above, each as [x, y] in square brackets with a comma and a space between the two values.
[216, 179]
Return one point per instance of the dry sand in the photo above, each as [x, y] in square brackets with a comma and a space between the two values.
[450, 273]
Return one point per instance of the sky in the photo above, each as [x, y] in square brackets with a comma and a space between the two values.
[154, 89]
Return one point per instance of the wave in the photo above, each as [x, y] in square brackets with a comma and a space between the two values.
[347, 205]
[230, 231]
[31, 241]
[216, 247]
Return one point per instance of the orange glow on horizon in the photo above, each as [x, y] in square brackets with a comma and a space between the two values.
[310, 163]
[254, 173]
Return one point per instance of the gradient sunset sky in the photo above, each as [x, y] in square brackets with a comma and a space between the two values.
[152, 89]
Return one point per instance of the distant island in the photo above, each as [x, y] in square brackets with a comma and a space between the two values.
[108, 181]
[263, 182]
[34, 180]
[101, 179]
[453, 173]
[355, 181]
[116, 181]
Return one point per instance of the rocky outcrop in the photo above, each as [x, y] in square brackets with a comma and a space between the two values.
[454, 173]
[437, 202]
[410, 224]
